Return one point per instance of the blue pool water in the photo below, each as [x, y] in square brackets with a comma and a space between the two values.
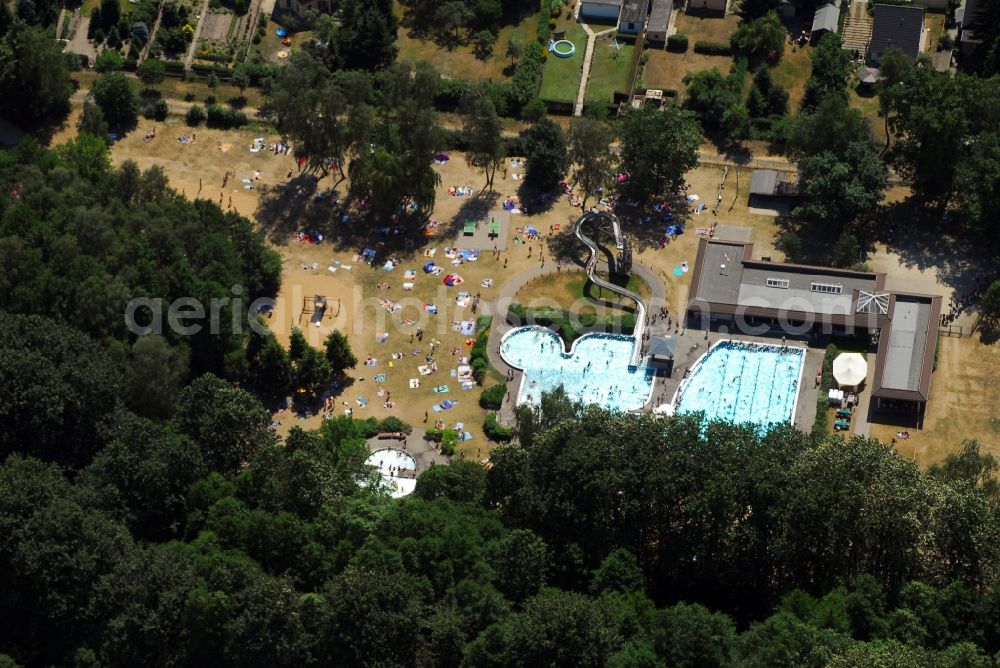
[743, 382]
[596, 371]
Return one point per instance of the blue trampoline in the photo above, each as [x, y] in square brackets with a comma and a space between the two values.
[281, 31]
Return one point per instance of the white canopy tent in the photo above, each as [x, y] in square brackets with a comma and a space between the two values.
[850, 369]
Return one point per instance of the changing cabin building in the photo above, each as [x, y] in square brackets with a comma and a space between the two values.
[760, 298]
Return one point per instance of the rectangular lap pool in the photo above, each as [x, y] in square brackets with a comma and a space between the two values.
[744, 382]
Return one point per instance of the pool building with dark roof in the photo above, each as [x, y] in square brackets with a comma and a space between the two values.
[761, 298]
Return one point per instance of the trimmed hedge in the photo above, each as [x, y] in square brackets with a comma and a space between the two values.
[819, 428]
[495, 431]
[677, 43]
[492, 397]
[570, 325]
[713, 48]
[218, 116]
[372, 427]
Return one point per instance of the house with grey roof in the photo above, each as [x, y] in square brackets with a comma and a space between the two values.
[759, 297]
[900, 26]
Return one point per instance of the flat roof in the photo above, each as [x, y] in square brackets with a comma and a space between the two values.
[726, 281]
[634, 11]
[799, 294]
[659, 16]
[616, 3]
[906, 352]
[763, 182]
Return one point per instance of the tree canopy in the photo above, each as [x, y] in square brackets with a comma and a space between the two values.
[34, 82]
[657, 150]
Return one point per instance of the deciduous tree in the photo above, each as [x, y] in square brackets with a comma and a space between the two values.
[590, 154]
[657, 149]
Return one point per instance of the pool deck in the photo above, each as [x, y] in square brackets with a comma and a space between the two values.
[692, 344]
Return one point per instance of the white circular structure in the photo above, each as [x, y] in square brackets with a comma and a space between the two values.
[398, 469]
[850, 369]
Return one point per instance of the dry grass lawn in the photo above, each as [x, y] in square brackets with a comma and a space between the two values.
[460, 62]
[791, 73]
[965, 392]
[666, 70]
[965, 403]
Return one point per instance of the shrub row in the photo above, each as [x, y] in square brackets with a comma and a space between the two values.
[495, 431]
[372, 427]
[677, 43]
[218, 116]
[713, 48]
[570, 325]
[492, 398]
[212, 68]
[825, 385]
[478, 357]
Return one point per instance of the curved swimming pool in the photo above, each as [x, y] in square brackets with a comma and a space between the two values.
[742, 382]
[595, 371]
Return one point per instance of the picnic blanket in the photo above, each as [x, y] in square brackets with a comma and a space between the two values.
[425, 370]
[414, 383]
[441, 389]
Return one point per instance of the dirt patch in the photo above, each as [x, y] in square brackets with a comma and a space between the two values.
[215, 26]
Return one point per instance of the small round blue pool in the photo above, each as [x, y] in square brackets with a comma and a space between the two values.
[742, 382]
[595, 371]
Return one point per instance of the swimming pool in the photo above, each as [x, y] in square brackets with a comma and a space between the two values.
[743, 382]
[389, 462]
[595, 371]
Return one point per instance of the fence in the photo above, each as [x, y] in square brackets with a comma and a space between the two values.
[956, 331]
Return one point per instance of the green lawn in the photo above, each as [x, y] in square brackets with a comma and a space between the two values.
[561, 76]
[609, 70]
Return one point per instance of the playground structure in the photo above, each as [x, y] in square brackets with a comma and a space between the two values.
[562, 48]
[621, 265]
[318, 307]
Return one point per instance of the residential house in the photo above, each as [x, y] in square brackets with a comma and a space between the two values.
[901, 26]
